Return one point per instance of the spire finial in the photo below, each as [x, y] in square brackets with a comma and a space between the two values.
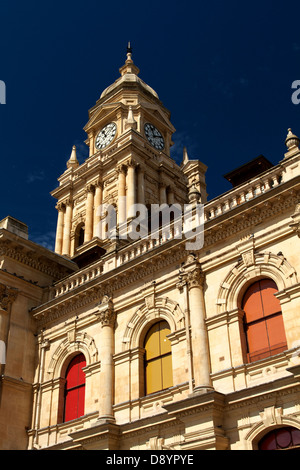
[291, 141]
[73, 162]
[185, 156]
[130, 121]
[129, 53]
[129, 66]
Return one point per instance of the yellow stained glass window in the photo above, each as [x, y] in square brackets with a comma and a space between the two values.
[158, 358]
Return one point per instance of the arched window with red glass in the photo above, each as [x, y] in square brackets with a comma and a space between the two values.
[281, 438]
[263, 322]
[75, 388]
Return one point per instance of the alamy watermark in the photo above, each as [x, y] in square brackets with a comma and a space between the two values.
[2, 352]
[2, 92]
[296, 94]
[157, 222]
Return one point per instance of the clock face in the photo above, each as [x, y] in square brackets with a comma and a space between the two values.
[154, 136]
[106, 135]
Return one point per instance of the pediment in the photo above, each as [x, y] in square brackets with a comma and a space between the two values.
[100, 113]
[158, 114]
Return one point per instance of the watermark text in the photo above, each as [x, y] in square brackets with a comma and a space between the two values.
[159, 221]
[2, 92]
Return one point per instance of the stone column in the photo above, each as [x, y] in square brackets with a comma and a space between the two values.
[97, 209]
[201, 359]
[7, 297]
[92, 145]
[131, 188]
[162, 193]
[59, 229]
[182, 285]
[43, 345]
[170, 195]
[121, 195]
[67, 228]
[107, 319]
[141, 185]
[89, 209]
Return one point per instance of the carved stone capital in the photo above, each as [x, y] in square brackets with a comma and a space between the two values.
[195, 278]
[106, 312]
[182, 280]
[68, 202]
[7, 296]
[89, 188]
[121, 169]
[98, 184]
[131, 163]
[295, 225]
[44, 343]
[60, 206]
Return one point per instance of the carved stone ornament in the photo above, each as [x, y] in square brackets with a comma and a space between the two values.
[196, 278]
[155, 443]
[182, 279]
[295, 225]
[271, 416]
[248, 258]
[106, 312]
[7, 296]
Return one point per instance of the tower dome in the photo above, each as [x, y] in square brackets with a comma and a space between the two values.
[129, 75]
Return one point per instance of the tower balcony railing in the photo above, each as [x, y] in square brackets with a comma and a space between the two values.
[134, 249]
[242, 194]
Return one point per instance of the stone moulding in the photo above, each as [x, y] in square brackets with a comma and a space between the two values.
[265, 264]
[105, 284]
[264, 210]
[163, 308]
[32, 260]
[81, 342]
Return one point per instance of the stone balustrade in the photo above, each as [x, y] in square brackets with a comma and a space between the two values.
[242, 194]
[76, 280]
[135, 249]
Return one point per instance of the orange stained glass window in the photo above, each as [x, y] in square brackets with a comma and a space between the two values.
[158, 358]
[264, 328]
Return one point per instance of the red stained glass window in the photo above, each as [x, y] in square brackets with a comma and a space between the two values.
[75, 388]
[283, 438]
[264, 328]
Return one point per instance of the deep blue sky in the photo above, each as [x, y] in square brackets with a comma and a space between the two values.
[223, 68]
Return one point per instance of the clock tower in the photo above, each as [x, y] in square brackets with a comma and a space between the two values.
[129, 135]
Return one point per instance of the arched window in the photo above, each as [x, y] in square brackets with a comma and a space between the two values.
[264, 328]
[282, 438]
[158, 358]
[79, 235]
[75, 388]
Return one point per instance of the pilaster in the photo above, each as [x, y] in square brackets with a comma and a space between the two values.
[106, 317]
[200, 348]
[88, 233]
[7, 297]
[60, 228]
[131, 187]
[67, 227]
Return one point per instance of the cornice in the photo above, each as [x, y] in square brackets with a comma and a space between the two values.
[242, 218]
[34, 256]
[107, 284]
[194, 404]
[261, 393]
[249, 214]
